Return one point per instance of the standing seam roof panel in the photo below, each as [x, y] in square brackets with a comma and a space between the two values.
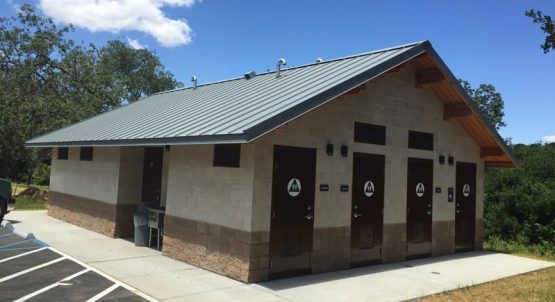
[228, 107]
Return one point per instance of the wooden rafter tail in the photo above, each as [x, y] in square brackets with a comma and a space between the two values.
[486, 152]
[456, 111]
[428, 77]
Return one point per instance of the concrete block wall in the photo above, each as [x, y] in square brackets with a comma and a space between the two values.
[97, 179]
[101, 194]
[393, 101]
[199, 191]
[209, 213]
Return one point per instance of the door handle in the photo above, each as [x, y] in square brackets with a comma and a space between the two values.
[459, 211]
[309, 216]
[356, 215]
[429, 212]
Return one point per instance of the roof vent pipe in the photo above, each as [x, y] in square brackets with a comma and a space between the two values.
[278, 66]
[250, 75]
[319, 60]
[194, 80]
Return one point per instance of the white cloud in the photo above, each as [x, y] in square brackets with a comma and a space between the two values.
[548, 139]
[123, 15]
[135, 44]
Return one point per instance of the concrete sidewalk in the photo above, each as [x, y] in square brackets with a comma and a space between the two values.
[169, 280]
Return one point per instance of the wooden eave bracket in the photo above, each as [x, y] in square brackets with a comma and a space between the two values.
[486, 152]
[428, 77]
[456, 111]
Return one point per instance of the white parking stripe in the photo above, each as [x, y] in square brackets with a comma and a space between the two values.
[34, 268]
[22, 254]
[127, 287]
[51, 286]
[103, 293]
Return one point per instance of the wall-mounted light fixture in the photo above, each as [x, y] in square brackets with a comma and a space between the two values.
[451, 160]
[329, 149]
[442, 159]
[344, 150]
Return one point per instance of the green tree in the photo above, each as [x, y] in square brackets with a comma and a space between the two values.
[520, 203]
[547, 26]
[489, 101]
[48, 81]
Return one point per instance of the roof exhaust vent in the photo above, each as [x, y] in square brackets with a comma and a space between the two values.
[194, 80]
[278, 66]
[250, 75]
[319, 60]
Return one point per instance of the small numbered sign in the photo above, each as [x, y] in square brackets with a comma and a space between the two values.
[369, 188]
[420, 189]
[466, 190]
[294, 187]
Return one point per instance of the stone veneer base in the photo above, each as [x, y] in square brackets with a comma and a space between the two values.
[443, 237]
[234, 253]
[108, 219]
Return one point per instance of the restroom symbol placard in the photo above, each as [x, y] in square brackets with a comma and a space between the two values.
[419, 189]
[466, 190]
[369, 188]
[294, 187]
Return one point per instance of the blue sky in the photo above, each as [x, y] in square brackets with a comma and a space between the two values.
[481, 41]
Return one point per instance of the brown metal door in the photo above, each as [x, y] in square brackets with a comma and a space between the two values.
[292, 216]
[465, 206]
[419, 207]
[367, 208]
[152, 174]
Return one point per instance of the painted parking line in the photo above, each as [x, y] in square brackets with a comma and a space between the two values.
[80, 288]
[34, 268]
[23, 285]
[22, 254]
[28, 269]
[51, 286]
[103, 293]
[121, 284]
[26, 262]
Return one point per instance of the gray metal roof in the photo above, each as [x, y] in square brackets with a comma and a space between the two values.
[237, 110]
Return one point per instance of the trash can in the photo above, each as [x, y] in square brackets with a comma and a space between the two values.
[140, 220]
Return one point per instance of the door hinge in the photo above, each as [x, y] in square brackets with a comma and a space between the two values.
[270, 263]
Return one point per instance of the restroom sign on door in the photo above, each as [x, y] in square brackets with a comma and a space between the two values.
[294, 187]
[369, 188]
[419, 189]
[466, 190]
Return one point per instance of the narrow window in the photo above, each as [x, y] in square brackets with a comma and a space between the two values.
[63, 152]
[86, 153]
[421, 140]
[369, 134]
[228, 155]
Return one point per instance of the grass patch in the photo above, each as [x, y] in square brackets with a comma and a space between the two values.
[26, 203]
[544, 251]
[18, 188]
[533, 286]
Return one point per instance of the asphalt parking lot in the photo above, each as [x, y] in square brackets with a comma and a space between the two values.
[30, 270]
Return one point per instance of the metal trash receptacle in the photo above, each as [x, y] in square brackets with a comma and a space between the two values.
[141, 230]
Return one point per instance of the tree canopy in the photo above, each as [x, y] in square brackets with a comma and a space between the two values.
[489, 101]
[520, 203]
[48, 81]
[547, 26]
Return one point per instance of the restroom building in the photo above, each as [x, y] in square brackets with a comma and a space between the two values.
[371, 158]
